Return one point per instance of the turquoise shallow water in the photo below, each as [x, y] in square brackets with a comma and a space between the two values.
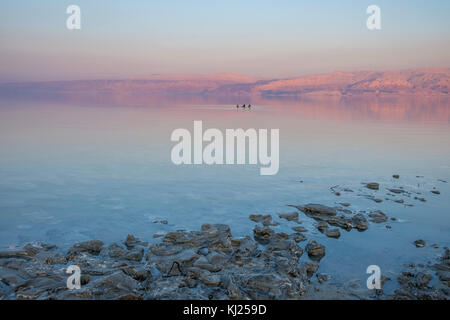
[78, 171]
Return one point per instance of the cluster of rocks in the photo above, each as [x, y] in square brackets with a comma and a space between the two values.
[416, 282]
[334, 216]
[205, 264]
[392, 193]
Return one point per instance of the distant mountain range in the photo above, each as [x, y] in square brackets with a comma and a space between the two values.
[402, 82]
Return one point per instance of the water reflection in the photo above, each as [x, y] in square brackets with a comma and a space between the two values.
[78, 168]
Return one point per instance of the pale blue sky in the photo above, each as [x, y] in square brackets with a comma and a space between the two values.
[278, 38]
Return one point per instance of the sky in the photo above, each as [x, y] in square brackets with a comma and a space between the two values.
[273, 39]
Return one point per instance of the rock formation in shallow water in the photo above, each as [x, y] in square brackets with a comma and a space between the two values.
[205, 264]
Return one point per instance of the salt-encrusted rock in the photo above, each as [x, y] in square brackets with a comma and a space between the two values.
[328, 216]
[114, 251]
[131, 242]
[40, 287]
[419, 243]
[322, 226]
[259, 217]
[315, 251]
[333, 233]
[34, 248]
[314, 209]
[135, 255]
[298, 237]
[359, 222]
[92, 247]
[137, 273]
[289, 216]
[15, 254]
[373, 185]
[204, 264]
[116, 286]
[263, 235]
[299, 229]
[266, 220]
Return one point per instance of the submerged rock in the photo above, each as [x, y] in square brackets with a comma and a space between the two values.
[378, 216]
[344, 204]
[397, 191]
[419, 243]
[266, 220]
[323, 277]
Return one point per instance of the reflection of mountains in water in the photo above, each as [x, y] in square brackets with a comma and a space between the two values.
[393, 108]
[419, 109]
[419, 95]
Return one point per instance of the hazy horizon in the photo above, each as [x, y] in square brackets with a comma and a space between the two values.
[266, 39]
[206, 75]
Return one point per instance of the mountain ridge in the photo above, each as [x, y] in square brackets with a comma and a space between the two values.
[425, 81]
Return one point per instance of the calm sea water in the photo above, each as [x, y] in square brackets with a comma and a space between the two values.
[75, 170]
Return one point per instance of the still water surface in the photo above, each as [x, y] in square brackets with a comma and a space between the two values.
[73, 171]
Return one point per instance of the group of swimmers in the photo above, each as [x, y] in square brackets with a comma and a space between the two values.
[243, 106]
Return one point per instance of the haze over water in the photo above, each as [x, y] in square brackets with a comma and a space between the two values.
[77, 170]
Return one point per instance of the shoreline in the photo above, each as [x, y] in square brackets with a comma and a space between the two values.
[212, 264]
[206, 264]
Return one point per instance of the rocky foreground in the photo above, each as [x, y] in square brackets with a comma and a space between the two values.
[205, 264]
